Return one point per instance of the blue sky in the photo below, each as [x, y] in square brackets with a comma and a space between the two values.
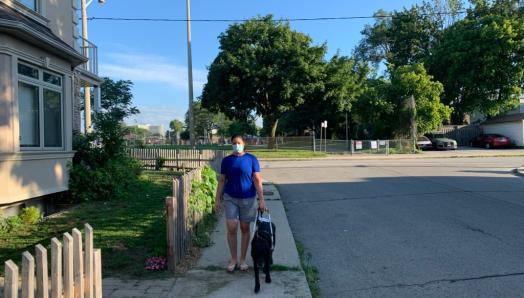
[153, 54]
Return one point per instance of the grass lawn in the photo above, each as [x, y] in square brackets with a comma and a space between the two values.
[284, 153]
[128, 231]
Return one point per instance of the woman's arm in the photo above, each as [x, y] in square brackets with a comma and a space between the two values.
[257, 179]
[220, 191]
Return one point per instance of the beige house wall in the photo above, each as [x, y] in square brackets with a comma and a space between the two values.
[28, 174]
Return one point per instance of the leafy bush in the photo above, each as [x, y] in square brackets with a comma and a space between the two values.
[159, 163]
[101, 169]
[202, 198]
[10, 223]
[30, 215]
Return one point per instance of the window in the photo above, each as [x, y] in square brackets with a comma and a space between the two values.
[29, 4]
[52, 118]
[28, 71]
[40, 107]
[28, 115]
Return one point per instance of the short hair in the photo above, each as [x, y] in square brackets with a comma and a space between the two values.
[238, 136]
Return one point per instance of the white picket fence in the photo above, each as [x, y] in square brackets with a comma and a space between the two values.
[76, 270]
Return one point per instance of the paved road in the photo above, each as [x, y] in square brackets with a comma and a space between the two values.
[408, 228]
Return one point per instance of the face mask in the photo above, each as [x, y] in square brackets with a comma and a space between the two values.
[238, 148]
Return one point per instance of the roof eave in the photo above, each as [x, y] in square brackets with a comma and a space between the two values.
[27, 33]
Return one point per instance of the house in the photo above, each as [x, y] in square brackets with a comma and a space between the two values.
[510, 124]
[43, 66]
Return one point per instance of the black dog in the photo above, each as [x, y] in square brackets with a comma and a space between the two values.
[262, 247]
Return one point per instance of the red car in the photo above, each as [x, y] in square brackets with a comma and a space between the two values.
[490, 141]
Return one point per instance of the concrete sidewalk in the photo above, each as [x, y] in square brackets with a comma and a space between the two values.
[209, 278]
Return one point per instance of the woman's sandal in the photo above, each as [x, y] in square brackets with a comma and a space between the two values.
[231, 267]
[244, 267]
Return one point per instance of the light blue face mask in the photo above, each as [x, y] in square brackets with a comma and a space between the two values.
[238, 148]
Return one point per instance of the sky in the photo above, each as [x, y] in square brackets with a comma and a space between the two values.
[154, 54]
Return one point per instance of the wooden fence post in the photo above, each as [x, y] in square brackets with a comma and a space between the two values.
[170, 233]
[11, 280]
[42, 279]
[97, 270]
[78, 264]
[69, 288]
[56, 268]
[88, 261]
[28, 275]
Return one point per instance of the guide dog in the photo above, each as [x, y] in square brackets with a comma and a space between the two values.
[262, 246]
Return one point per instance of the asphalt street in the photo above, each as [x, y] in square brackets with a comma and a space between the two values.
[408, 228]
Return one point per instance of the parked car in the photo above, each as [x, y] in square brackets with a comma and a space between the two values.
[490, 141]
[440, 141]
[424, 143]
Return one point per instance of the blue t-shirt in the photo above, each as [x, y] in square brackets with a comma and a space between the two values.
[239, 172]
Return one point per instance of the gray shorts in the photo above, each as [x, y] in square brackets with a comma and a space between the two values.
[240, 209]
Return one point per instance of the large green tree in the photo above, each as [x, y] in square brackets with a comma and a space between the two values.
[480, 59]
[413, 81]
[406, 36]
[264, 68]
[345, 80]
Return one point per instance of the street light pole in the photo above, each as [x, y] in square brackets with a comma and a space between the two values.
[87, 90]
[190, 75]
[85, 45]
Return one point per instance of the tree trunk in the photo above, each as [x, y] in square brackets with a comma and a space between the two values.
[272, 139]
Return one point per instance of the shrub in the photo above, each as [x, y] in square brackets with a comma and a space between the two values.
[159, 163]
[10, 223]
[30, 215]
[202, 198]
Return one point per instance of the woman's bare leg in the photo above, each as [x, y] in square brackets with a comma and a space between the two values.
[232, 227]
[244, 241]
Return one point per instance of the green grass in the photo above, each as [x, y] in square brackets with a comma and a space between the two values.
[128, 231]
[310, 270]
[285, 153]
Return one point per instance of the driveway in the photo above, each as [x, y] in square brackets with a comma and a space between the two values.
[408, 228]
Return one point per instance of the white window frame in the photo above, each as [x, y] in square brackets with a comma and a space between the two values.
[41, 85]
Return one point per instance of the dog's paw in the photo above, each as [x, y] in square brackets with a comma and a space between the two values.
[268, 279]
[257, 288]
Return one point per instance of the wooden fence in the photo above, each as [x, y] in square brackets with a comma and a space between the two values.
[181, 222]
[463, 134]
[76, 270]
[174, 158]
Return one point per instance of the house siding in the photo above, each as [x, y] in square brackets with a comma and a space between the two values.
[514, 130]
[25, 175]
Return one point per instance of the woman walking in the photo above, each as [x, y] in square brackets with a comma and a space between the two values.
[239, 185]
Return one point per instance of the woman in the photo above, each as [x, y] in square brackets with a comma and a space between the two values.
[239, 185]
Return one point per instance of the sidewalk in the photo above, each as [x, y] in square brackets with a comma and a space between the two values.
[209, 279]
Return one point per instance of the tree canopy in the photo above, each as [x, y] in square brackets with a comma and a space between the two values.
[264, 68]
[480, 59]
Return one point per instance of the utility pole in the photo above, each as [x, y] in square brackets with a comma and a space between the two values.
[87, 89]
[347, 135]
[190, 75]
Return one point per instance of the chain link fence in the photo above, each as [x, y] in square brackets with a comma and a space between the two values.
[307, 143]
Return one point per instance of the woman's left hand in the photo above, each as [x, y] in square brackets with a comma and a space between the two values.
[262, 205]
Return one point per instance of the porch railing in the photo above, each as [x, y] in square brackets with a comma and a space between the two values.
[90, 51]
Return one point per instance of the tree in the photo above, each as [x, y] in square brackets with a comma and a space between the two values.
[205, 120]
[480, 59]
[413, 81]
[116, 98]
[345, 81]
[264, 68]
[407, 36]
[176, 126]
